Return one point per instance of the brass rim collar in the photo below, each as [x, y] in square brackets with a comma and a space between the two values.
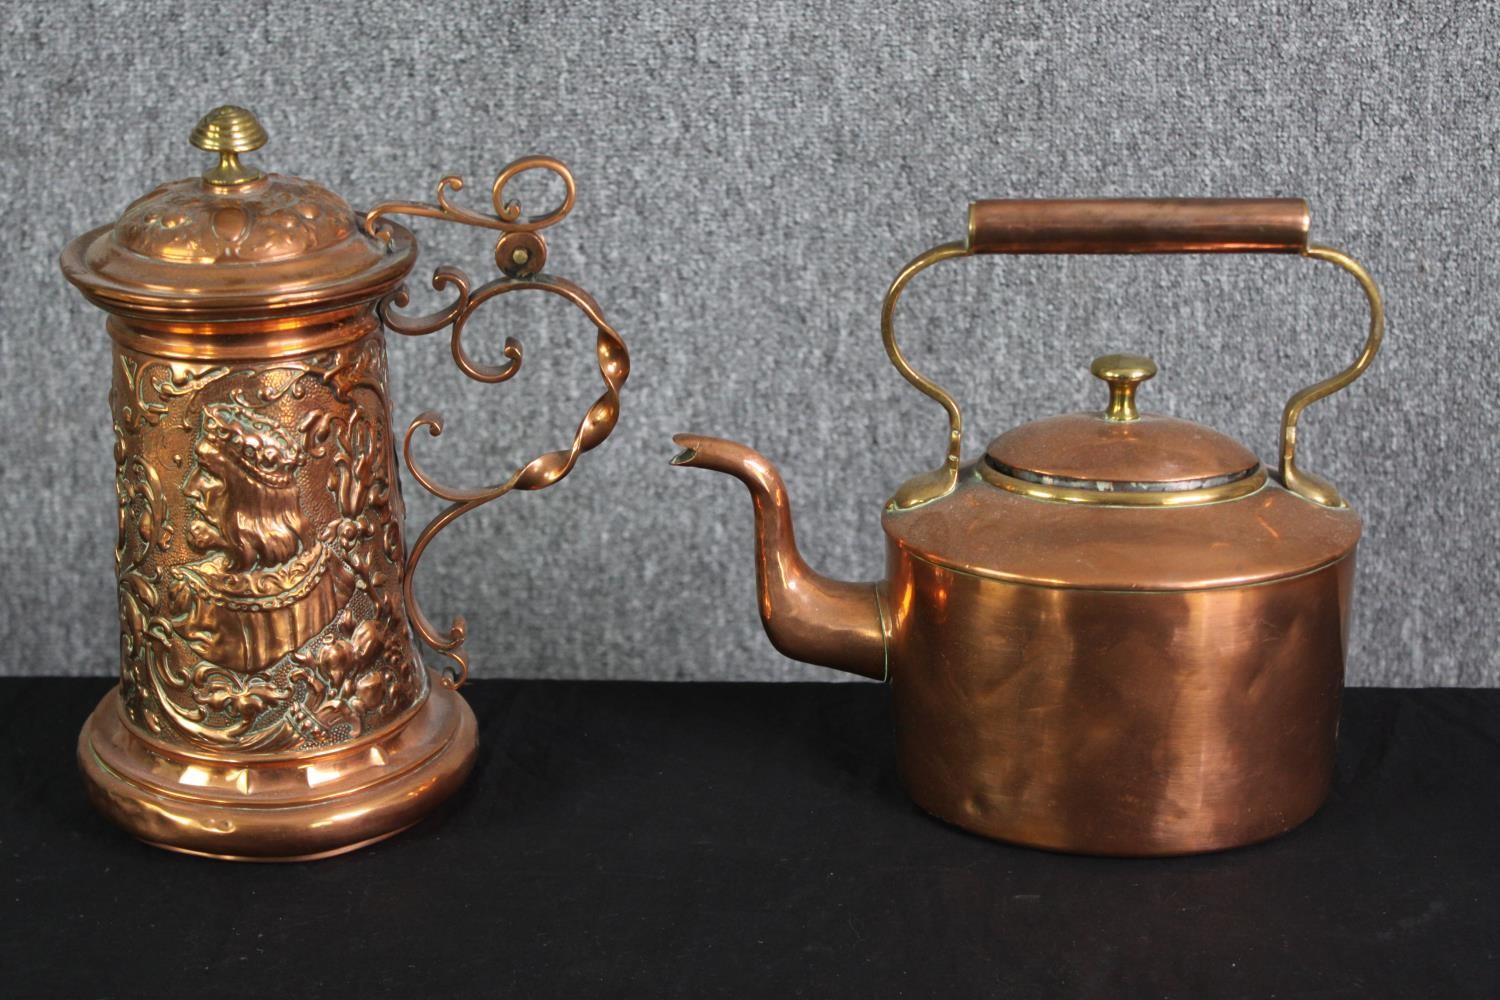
[1125, 494]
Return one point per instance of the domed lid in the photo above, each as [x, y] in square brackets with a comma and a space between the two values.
[235, 243]
[1119, 456]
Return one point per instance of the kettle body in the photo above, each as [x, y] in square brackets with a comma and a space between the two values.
[1138, 712]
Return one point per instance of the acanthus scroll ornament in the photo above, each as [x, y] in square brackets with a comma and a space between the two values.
[520, 254]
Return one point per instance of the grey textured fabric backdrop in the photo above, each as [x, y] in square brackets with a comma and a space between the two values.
[750, 178]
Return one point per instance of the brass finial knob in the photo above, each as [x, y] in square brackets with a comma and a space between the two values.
[1124, 373]
[229, 131]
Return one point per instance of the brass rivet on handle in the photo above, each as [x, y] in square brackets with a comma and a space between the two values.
[1124, 374]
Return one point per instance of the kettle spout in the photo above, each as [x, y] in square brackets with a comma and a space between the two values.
[808, 616]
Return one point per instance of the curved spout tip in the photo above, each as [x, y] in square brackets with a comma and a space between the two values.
[692, 446]
[688, 453]
[702, 452]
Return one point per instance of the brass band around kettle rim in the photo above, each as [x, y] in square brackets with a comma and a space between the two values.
[1133, 225]
[1216, 490]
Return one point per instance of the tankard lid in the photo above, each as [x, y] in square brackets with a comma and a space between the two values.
[1120, 455]
[235, 243]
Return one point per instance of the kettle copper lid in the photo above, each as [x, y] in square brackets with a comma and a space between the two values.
[235, 243]
[1118, 455]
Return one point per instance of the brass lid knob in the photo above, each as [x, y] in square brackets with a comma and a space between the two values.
[229, 131]
[1124, 373]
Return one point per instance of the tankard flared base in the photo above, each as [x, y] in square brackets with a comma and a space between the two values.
[288, 809]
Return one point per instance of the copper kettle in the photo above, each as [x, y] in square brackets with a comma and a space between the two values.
[272, 701]
[1114, 632]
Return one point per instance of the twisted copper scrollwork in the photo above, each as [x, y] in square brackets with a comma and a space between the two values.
[520, 253]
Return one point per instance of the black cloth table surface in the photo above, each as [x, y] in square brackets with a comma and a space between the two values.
[705, 840]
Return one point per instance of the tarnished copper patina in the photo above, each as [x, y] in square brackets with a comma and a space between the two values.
[1114, 632]
[272, 702]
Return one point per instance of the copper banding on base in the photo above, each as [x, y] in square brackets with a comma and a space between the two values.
[279, 810]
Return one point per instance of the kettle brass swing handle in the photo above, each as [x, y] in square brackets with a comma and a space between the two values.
[520, 254]
[1131, 226]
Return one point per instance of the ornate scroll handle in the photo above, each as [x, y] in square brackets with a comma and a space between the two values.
[1167, 225]
[520, 253]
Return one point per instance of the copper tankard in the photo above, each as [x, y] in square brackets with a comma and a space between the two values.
[1114, 632]
[272, 703]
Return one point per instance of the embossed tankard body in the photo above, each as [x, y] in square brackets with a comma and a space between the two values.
[273, 703]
